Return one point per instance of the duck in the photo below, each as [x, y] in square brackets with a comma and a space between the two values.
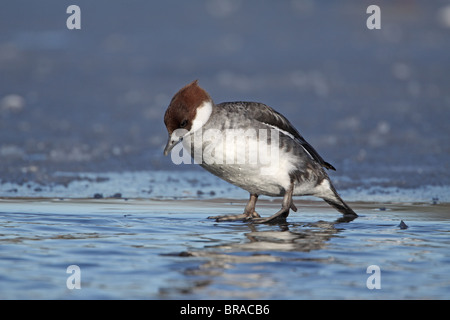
[251, 146]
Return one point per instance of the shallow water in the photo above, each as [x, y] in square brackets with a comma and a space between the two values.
[143, 249]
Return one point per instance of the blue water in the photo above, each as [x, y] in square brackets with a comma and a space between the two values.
[139, 249]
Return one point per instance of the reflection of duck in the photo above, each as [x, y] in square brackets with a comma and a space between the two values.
[311, 236]
[259, 247]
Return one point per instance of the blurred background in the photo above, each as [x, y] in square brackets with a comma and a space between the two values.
[374, 103]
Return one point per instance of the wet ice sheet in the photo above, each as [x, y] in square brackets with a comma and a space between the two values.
[169, 250]
[200, 184]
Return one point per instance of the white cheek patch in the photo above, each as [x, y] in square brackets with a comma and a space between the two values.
[202, 116]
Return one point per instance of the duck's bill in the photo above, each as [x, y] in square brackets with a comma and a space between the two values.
[175, 138]
[170, 144]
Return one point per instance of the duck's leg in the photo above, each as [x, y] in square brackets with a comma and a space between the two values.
[249, 212]
[283, 213]
[336, 201]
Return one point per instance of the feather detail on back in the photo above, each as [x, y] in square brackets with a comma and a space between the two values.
[269, 116]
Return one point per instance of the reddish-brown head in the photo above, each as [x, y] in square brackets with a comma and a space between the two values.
[183, 107]
[189, 109]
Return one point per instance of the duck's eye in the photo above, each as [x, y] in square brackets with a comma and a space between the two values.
[183, 123]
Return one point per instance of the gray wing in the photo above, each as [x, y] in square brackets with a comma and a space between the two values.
[266, 114]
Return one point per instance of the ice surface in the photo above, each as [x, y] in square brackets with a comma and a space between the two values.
[198, 185]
